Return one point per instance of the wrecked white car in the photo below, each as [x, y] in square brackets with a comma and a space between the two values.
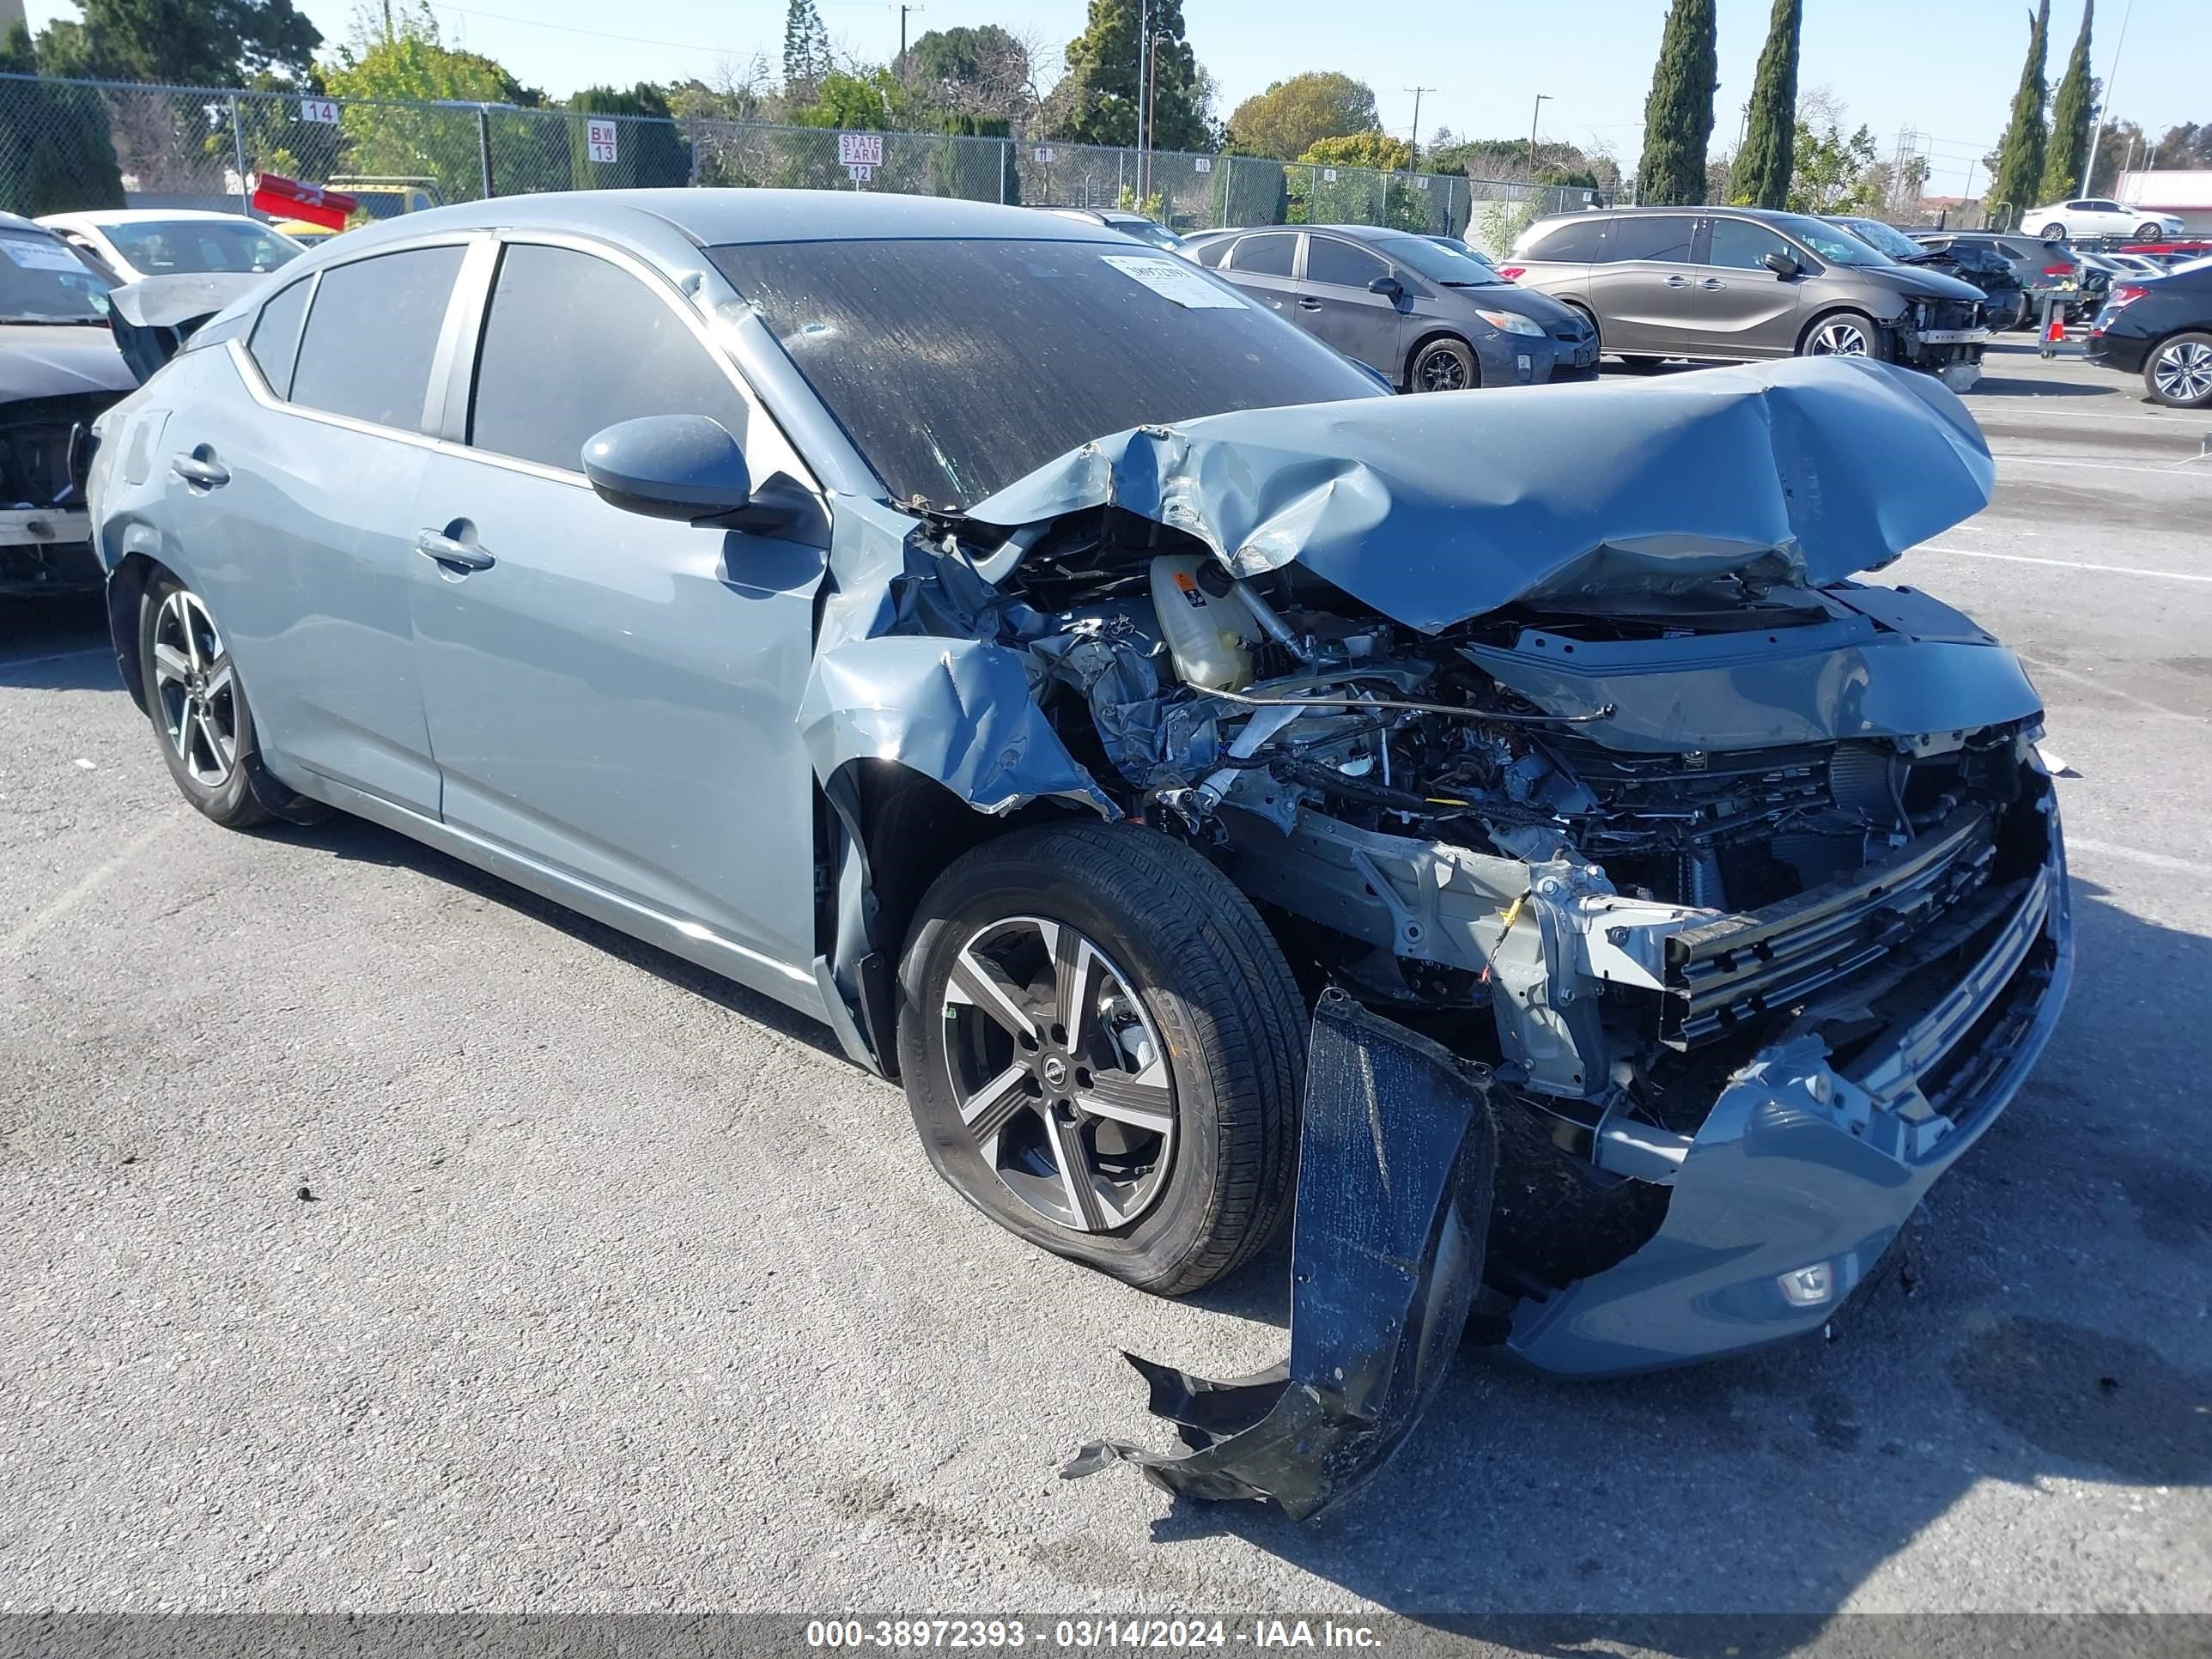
[1501, 826]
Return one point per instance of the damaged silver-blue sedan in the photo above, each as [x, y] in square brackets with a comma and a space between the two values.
[1502, 827]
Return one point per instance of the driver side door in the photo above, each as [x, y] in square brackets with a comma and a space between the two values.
[613, 698]
[1745, 310]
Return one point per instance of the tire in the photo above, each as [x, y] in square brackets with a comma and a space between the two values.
[1640, 365]
[2054, 232]
[1831, 337]
[198, 708]
[2150, 232]
[1188, 1008]
[1445, 365]
[2179, 372]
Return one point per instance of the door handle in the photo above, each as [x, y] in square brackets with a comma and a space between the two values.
[1712, 282]
[1678, 282]
[1309, 305]
[200, 472]
[445, 550]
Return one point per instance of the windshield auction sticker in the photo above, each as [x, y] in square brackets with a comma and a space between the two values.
[1172, 279]
[39, 256]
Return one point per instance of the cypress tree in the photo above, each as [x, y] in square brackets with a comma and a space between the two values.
[2020, 156]
[1678, 116]
[1764, 167]
[805, 48]
[2069, 120]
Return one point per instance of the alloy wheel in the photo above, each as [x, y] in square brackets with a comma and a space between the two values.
[2183, 371]
[1441, 371]
[1839, 339]
[1060, 1076]
[197, 688]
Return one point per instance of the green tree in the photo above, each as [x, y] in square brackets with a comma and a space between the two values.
[983, 71]
[1678, 116]
[870, 102]
[191, 43]
[56, 152]
[2070, 112]
[2019, 172]
[1291, 116]
[1833, 173]
[1099, 105]
[1764, 165]
[1372, 148]
[648, 154]
[806, 60]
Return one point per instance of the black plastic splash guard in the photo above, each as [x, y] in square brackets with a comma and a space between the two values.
[1395, 1164]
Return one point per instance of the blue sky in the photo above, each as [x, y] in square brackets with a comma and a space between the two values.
[1945, 67]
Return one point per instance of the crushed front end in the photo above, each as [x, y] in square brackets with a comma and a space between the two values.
[1946, 338]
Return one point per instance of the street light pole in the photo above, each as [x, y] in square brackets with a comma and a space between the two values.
[1144, 73]
[2104, 104]
[1537, 115]
[1152, 115]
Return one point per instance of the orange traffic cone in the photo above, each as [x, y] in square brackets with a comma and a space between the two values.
[2055, 333]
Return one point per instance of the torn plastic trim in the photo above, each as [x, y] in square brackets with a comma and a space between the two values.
[1395, 1166]
[1432, 511]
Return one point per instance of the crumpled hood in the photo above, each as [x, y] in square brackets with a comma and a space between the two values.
[186, 297]
[1434, 509]
[62, 361]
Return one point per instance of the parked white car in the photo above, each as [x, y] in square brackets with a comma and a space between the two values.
[2098, 215]
[135, 243]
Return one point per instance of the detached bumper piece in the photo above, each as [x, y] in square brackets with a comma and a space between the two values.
[1395, 1166]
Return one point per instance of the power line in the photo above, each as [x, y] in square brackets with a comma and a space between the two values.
[598, 34]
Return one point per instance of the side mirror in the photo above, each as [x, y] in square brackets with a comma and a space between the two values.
[669, 466]
[1780, 264]
[1388, 286]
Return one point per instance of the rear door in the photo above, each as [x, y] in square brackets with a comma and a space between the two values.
[1265, 266]
[1644, 282]
[613, 696]
[299, 530]
[1335, 304]
[1743, 309]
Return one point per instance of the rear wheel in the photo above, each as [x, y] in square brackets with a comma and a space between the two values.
[1104, 1049]
[197, 705]
[2054, 232]
[1444, 365]
[2178, 372]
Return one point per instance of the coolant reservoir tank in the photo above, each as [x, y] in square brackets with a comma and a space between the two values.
[1204, 629]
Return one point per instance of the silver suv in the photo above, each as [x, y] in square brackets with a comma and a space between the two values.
[1742, 284]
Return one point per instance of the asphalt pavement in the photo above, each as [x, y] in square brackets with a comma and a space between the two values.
[375, 1237]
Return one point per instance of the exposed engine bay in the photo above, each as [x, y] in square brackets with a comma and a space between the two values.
[1466, 831]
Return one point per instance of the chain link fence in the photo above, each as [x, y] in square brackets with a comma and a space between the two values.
[64, 144]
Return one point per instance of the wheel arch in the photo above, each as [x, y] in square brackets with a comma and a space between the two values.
[1413, 355]
[126, 585]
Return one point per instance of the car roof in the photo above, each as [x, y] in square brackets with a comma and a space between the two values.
[715, 217]
[17, 221]
[137, 216]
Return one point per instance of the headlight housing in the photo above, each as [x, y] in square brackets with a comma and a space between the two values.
[1511, 322]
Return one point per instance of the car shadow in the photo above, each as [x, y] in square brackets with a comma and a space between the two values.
[358, 841]
[2006, 1344]
[57, 644]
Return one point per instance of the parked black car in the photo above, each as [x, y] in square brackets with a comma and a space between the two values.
[2041, 266]
[2004, 295]
[2161, 329]
[1425, 315]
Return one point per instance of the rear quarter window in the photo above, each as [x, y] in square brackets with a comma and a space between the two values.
[1569, 241]
[275, 342]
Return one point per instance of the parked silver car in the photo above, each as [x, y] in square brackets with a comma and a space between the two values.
[1118, 718]
[1743, 284]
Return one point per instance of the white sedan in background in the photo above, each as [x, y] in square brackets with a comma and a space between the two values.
[2099, 215]
[135, 243]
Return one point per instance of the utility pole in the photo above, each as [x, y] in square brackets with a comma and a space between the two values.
[902, 11]
[1417, 91]
[2104, 104]
[1144, 71]
[1151, 114]
[1542, 99]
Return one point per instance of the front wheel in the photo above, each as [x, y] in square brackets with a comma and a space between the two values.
[1845, 334]
[2179, 373]
[1104, 1051]
[2054, 232]
[1444, 365]
[2150, 232]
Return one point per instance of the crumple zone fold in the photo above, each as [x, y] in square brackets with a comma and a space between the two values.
[1395, 1166]
[1433, 510]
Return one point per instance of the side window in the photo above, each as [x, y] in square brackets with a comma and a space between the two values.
[1340, 263]
[1575, 242]
[1740, 244]
[275, 342]
[1213, 253]
[1266, 255]
[1663, 236]
[372, 334]
[621, 353]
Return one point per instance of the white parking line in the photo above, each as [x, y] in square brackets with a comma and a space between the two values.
[2165, 861]
[2097, 467]
[2042, 666]
[2065, 564]
[86, 886]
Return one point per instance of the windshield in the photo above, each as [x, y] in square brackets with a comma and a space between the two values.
[1439, 261]
[958, 367]
[168, 248]
[1838, 247]
[1885, 239]
[42, 281]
